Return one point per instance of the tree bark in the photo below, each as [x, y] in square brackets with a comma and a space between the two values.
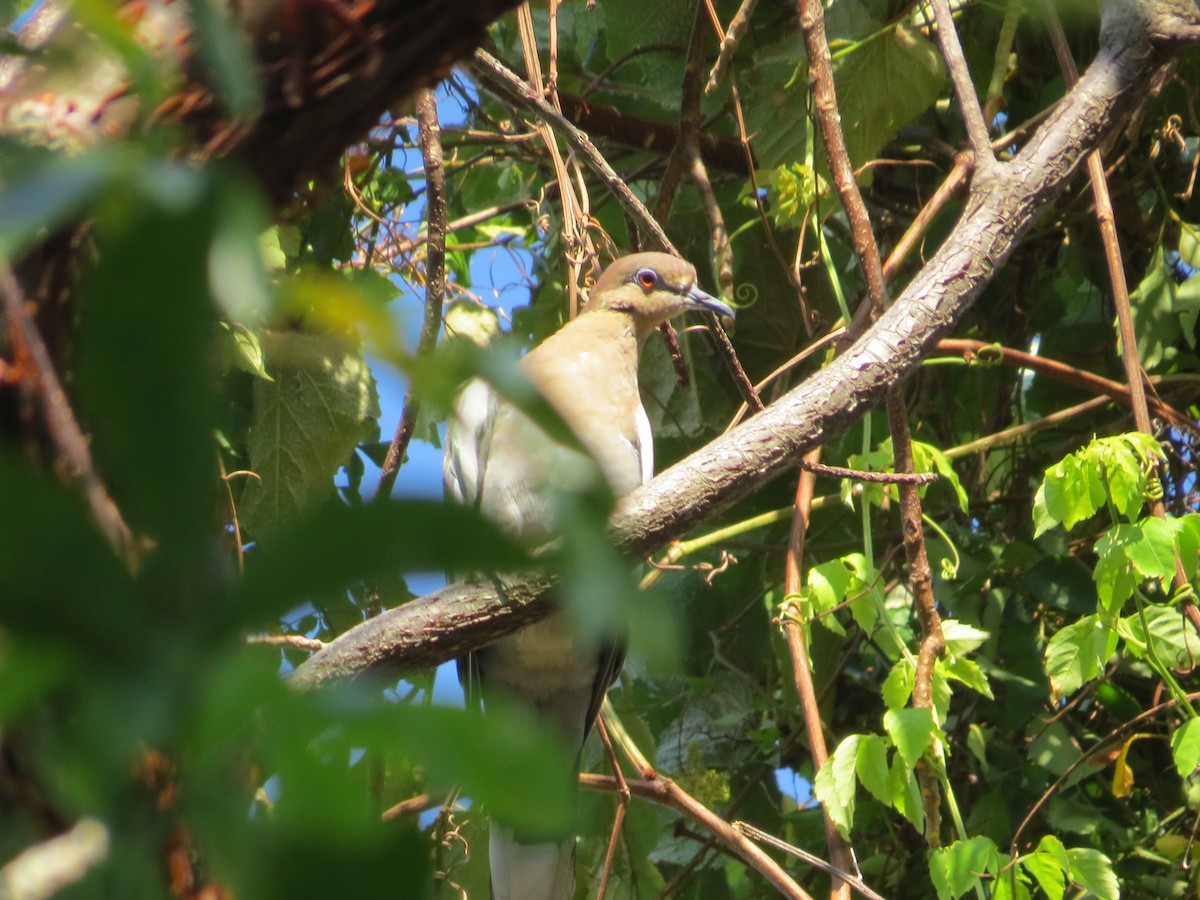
[1001, 208]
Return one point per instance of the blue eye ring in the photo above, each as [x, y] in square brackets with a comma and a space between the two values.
[646, 278]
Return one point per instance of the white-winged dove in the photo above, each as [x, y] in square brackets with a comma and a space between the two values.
[500, 460]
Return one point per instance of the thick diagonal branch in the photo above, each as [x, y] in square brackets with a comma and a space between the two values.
[459, 619]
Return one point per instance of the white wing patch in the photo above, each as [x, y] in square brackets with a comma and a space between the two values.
[644, 443]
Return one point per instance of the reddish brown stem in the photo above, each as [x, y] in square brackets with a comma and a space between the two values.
[666, 792]
[435, 277]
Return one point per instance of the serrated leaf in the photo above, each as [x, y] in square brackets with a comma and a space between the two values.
[1125, 481]
[959, 868]
[1153, 552]
[1113, 574]
[835, 783]
[962, 638]
[1093, 871]
[871, 766]
[968, 672]
[321, 403]
[928, 458]
[1078, 653]
[911, 731]
[1050, 865]
[1185, 747]
[906, 794]
[1174, 640]
[898, 685]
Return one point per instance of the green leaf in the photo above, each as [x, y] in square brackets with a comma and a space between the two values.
[959, 868]
[835, 784]
[1125, 480]
[1113, 574]
[1174, 639]
[237, 256]
[1078, 653]
[871, 766]
[898, 685]
[883, 84]
[968, 672]
[911, 731]
[962, 638]
[826, 585]
[320, 403]
[928, 458]
[1071, 491]
[906, 794]
[146, 374]
[1093, 871]
[52, 550]
[1050, 865]
[51, 194]
[1155, 320]
[1153, 553]
[337, 546]
[1185, 747]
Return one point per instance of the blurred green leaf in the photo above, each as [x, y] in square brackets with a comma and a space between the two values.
[146, 371]
[51, 194]
[336, 546]
[52, 557]
[226, 52]
[1185, 748]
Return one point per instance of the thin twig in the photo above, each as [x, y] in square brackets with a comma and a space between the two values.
[577, 245]
[502, 79]
[667, 793]
[913, 478]
[839, 849]
[623, 796]
[1008, 31]
[757, 834]
[298, 641]
[413, 805]
[729, 43]
[435, 278]
[920, 583]
[1117, 732]
[64, 430]
[964, 89]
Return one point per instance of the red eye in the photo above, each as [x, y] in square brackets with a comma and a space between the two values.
[646, 278]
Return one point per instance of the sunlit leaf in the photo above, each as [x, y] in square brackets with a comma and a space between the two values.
[1093, 871]
[336, 546]
[1185, 747]
[1050, 865]
[1078, 653]
[835, 783]
[911, 731]
[960, 867]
